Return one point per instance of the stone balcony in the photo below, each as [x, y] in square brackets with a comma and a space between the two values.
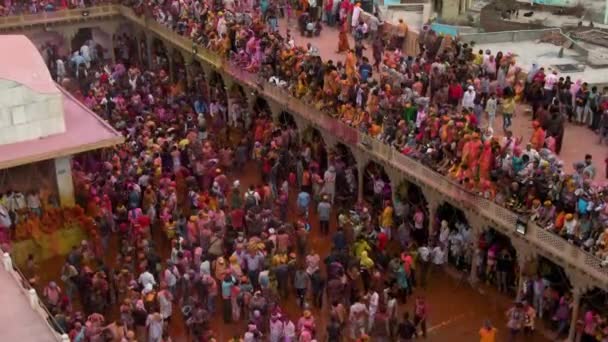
[583, 269]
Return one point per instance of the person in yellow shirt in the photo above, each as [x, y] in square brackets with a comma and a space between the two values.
[479, 58]
[386, 218]
[487, 333]
[508, 110]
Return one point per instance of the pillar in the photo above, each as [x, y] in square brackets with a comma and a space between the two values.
[171, 66]
[65, 185]
[149, 40]
[252, 96]
[473, 277]
[275, 110]
[188, 59]
[138, 48]
[525, 255]
[432, 206]
[360, 176]
[576, 303]
[68, 33]
[111, 29]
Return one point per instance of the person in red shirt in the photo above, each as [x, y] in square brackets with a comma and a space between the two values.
[382, 240]
[455, 93]
[237, 217]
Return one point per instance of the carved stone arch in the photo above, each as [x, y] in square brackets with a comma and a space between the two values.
[526, 254]
[581, 282]
[314, 137]
[329, 139]
[275, 110]
[285, 118]
[372, 170]
[361, 157]
[342, 157]
[261, 105]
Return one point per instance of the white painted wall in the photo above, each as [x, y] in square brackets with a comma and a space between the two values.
[27, 115]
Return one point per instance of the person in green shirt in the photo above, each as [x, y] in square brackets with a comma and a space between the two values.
[409, 112]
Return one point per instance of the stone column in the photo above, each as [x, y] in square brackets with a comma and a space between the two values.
[275, 110]
[65, 184]
[138, 48]
[171, 66]
[188, 59]
[432, 206]
[68, 33]
[525, 254]
[149, 40]
[360, 176]
[252, 96]
[111, 29]
[576, 303]
[473, 277]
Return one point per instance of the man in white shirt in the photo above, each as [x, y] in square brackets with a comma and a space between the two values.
[357, 316]
[438, 256]
[374, 300]
[468, 99]
[146, 278]
[60, 68]
[424, 256]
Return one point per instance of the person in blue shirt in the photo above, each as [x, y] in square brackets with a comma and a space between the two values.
[227, 284]
[303, 202]
[339, 240]
[365, 70]
[200, 106]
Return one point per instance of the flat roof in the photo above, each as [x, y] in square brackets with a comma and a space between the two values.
[19, 321]
[546, 55]
[85, 131]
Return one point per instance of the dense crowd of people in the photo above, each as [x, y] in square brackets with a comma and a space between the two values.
[238, 242]
[237, 246]
[432, 107]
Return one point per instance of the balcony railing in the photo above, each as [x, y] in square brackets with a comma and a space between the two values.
[46, 18]
[502, 218]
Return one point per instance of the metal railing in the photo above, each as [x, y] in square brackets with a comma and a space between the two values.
[46, 18]
[545, 242]
[35, 302]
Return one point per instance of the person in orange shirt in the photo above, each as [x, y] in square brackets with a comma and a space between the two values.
[487, 333]
[402, 29]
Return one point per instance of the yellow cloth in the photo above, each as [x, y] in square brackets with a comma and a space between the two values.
[508, 105]
[360, 247]
[386, 219]
[366, 261]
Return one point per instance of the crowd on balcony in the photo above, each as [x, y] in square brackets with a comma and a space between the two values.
[16, 7]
